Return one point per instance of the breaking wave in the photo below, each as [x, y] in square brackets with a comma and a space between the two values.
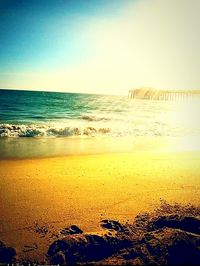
[9, 130]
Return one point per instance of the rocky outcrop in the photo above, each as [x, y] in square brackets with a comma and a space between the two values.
[160, 240]
[186, 223]
[169, 247]
[85, 248]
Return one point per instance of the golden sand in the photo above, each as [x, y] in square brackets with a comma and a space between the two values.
[85, 189]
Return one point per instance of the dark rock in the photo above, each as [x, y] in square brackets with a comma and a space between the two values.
[58, 259]
[7, 254]
[165, 246]
[131, 254]
[2, 245]
[72, 230]
[170, 247]
[187, 223]
[86, 248]
[112, 225]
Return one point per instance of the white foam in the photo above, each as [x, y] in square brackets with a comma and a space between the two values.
[9, 130]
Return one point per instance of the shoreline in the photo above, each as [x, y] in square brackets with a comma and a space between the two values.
[146, 153]
[38, 148]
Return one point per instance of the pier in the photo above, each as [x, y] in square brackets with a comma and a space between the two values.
[166, 95]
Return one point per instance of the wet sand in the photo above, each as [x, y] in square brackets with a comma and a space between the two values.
[61, 191]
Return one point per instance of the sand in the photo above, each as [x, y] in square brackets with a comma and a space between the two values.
[82, 190]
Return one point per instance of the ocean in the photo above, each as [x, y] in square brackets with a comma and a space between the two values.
[54, 115]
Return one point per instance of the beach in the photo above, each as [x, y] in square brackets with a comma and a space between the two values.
[84, 189]
[99, 133]
[87, 177]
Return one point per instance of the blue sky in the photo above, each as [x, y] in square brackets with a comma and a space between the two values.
[43, 33]
[99, 46]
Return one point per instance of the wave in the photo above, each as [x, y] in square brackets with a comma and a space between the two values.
[94, 118]
[9, 130]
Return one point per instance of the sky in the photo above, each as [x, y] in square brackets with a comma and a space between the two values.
[99, 46]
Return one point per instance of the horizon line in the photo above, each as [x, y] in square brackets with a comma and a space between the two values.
[60, 91]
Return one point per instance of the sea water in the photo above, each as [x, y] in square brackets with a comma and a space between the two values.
[53, 122]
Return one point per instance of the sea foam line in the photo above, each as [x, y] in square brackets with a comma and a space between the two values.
[10, 130]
